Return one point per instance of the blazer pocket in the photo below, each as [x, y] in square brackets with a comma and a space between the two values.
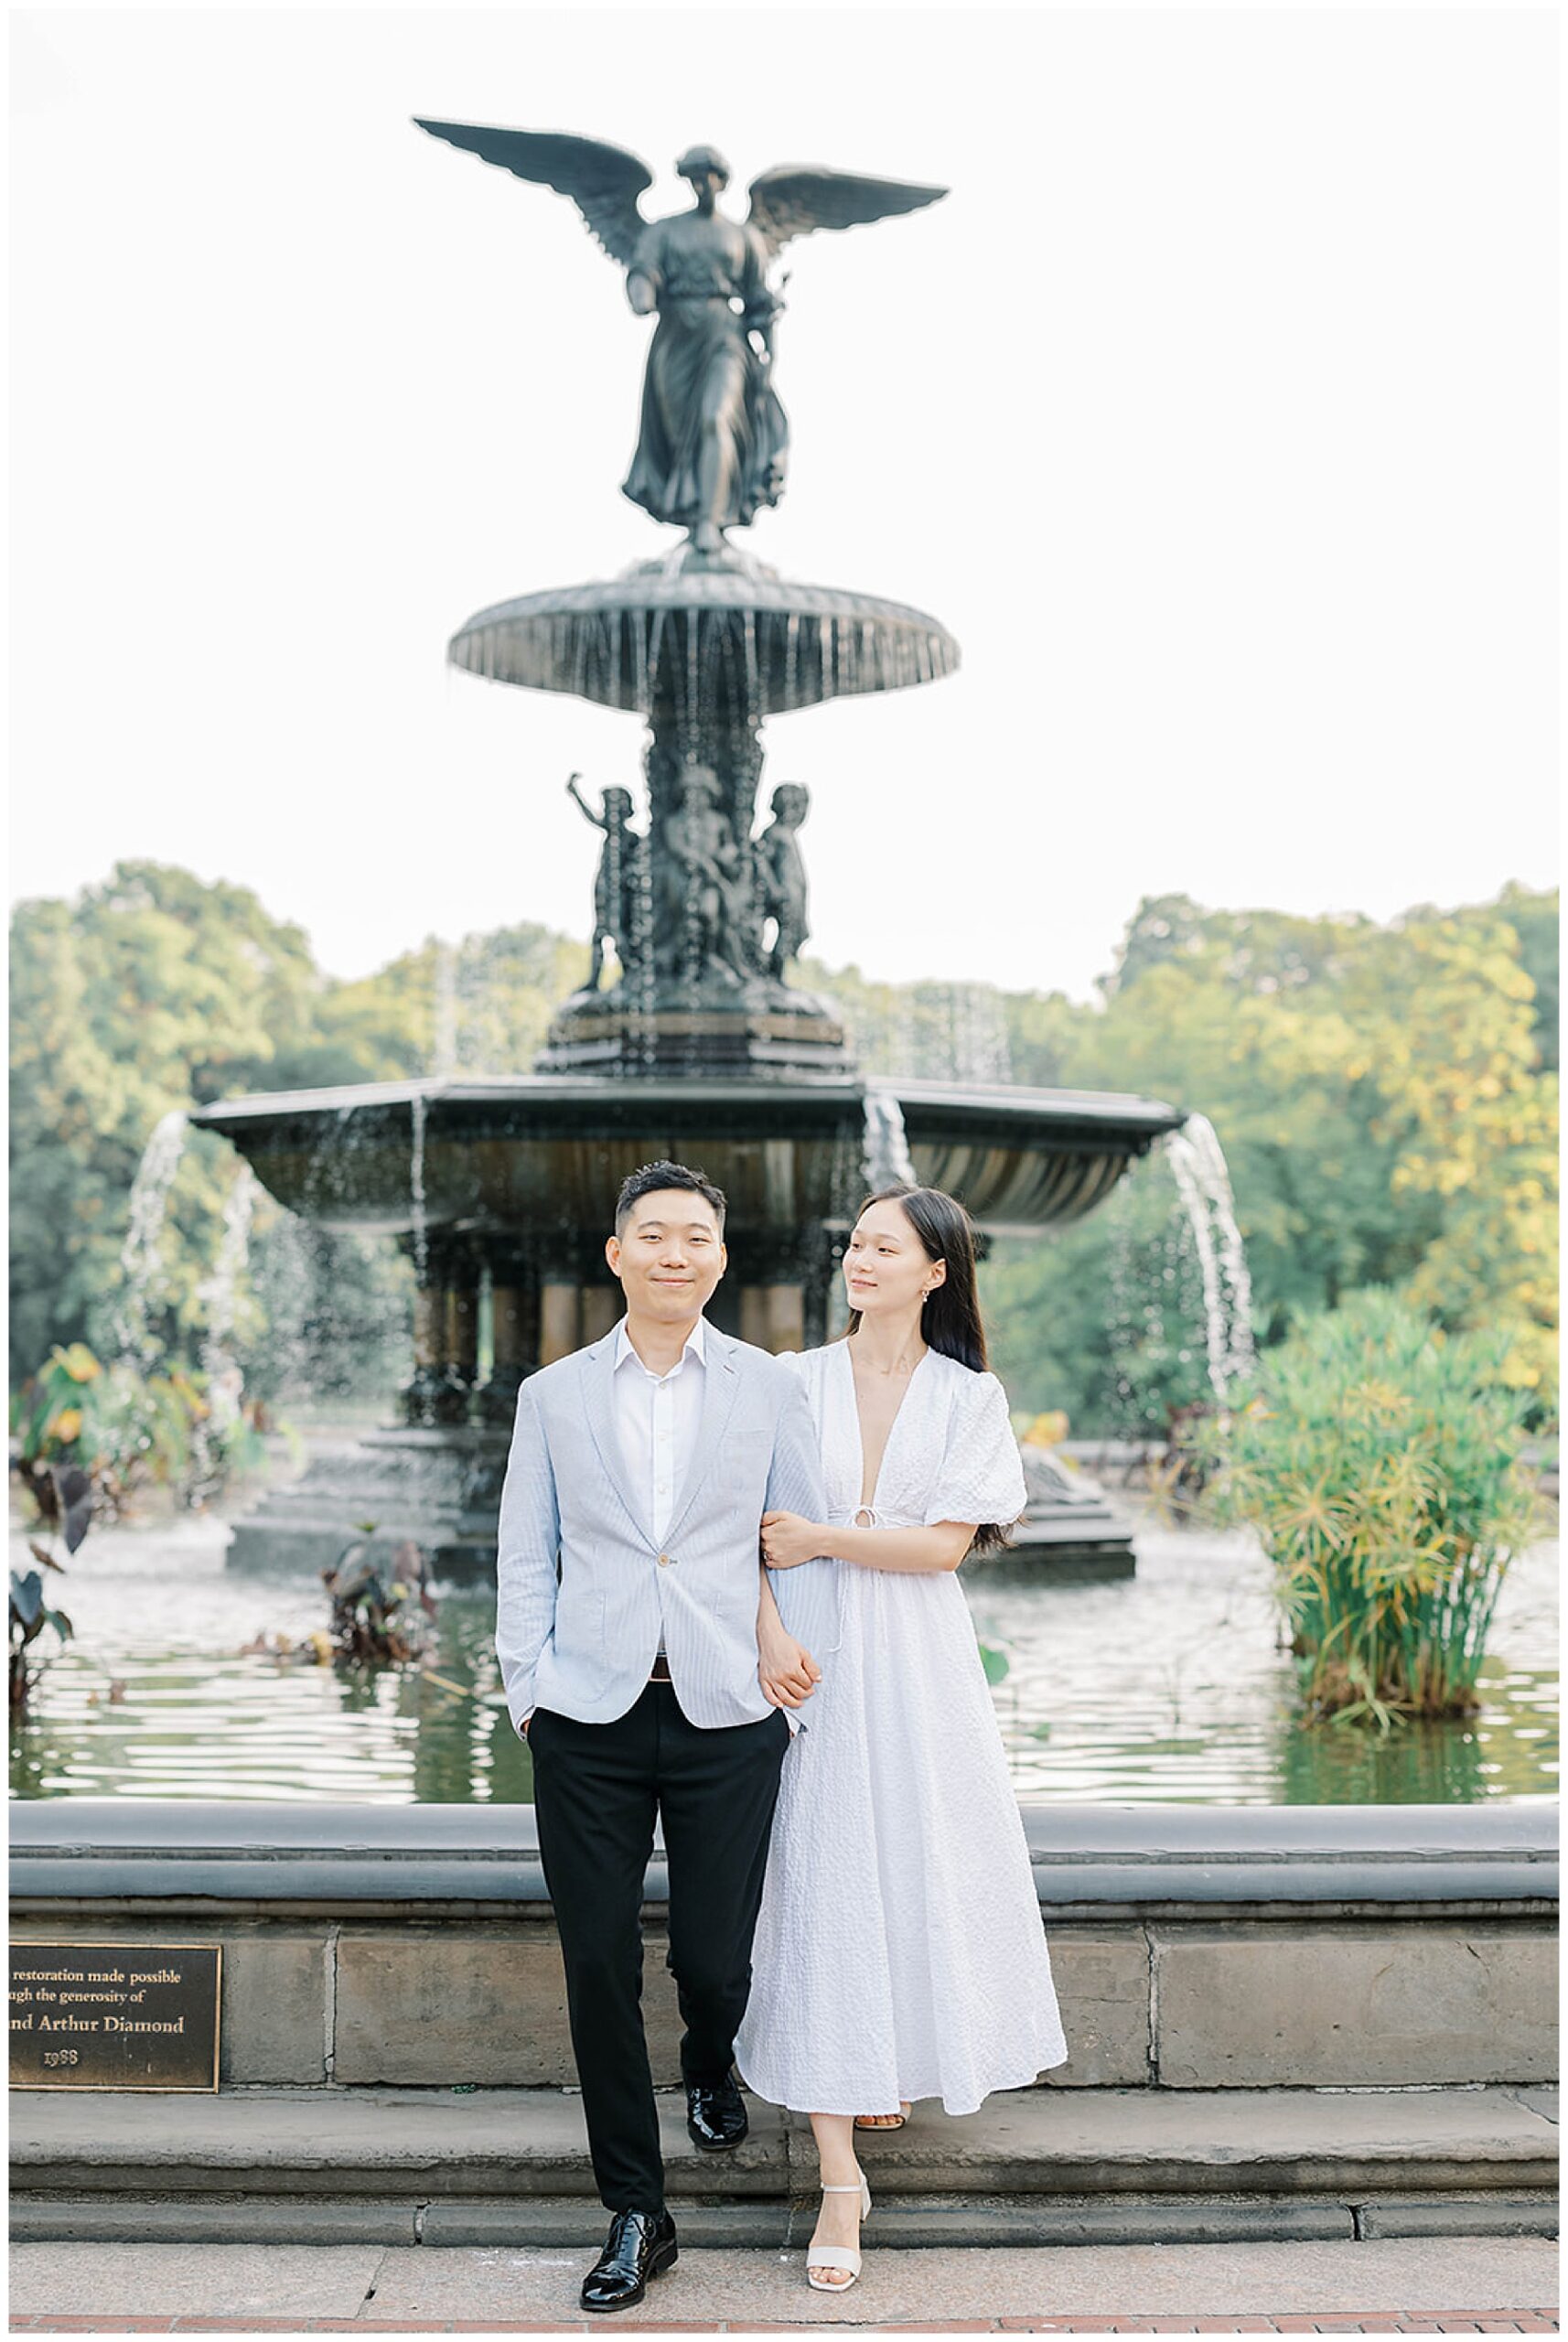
[580, 1620]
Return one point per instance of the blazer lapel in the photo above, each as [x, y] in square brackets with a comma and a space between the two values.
[598, 1367]
[721, 1380]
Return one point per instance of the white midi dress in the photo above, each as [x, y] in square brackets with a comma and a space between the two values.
[899, 1952]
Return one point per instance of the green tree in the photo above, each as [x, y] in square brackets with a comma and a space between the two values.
[1536, 920]
[1475, 1121]
[1383, 1101]
[152, 992]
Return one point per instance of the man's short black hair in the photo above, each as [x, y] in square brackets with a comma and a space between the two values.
[652, 1176]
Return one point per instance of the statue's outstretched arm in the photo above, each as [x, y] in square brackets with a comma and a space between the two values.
[582, 803]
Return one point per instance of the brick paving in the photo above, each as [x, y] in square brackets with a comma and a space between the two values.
[1458, 2321]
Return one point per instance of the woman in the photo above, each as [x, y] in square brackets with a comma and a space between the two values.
[898, 1953]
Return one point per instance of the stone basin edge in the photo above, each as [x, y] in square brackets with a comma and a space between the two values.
[74, 1849]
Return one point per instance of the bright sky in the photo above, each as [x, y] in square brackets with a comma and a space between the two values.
[1214, 412]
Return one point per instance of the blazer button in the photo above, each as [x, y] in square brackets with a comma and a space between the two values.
[664, 1561]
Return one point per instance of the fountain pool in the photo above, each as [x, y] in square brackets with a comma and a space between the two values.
[1168, 1687]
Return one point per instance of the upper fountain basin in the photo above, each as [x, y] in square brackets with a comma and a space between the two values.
[701, 628]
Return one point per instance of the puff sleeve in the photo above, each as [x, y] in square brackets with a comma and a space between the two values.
[981, 1477]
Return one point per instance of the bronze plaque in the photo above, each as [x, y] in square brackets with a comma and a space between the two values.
[114, 2016]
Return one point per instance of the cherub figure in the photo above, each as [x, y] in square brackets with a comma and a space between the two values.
[782, 874]
[617, 883]
[705, 879]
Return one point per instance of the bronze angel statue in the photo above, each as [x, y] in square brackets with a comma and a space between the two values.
[714, 438]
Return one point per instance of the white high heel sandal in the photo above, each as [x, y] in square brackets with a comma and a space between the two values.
[839, 2256]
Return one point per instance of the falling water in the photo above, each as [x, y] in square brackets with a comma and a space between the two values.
[1121, 1339]
[791, 658]
[885, 1156]
[287, 1284]
[642, 968]
[1170, 1292]
[756, 697]
[696, 704]
[1203, 1179]
[980, 1050]
[903, 1042]
[133, 1333]
[416, 1187]
[445, 1049]
[642, 943]
[216, 1294]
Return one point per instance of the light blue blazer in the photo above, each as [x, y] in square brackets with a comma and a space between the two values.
[583, 1586]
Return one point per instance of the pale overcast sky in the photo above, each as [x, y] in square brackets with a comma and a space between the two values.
[1214, 412]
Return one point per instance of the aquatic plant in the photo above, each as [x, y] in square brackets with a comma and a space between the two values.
[30, 1614]
[376, 1617]
[1380, 1466]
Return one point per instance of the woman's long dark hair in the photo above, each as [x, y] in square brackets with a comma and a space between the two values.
[949, 1315]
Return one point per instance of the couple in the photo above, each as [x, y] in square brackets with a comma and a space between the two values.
[810, 1722]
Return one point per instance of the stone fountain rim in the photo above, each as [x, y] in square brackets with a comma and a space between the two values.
[977, 1099]
[759, 592]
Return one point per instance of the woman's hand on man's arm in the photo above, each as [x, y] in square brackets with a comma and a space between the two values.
[788, 1539]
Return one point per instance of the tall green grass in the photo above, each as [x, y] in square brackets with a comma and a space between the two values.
[1380, 1468]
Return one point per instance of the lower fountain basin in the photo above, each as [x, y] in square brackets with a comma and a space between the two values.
[509, 1185]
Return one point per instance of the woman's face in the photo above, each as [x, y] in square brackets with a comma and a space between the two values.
[885, 1266]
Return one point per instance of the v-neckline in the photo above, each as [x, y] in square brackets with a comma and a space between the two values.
[869, 1505]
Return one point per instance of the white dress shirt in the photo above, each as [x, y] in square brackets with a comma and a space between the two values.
[658, 1416]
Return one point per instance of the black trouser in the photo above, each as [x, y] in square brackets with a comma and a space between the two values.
[597, 1788]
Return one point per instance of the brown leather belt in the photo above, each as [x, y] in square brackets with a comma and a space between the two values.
[660, 1670]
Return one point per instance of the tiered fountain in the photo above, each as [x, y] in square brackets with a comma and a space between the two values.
[699, 1048]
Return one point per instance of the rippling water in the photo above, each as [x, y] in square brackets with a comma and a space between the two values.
[1168, 1686]
[1174, 1687]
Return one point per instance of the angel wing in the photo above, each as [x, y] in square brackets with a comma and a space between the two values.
[603, 182]
[794, 197]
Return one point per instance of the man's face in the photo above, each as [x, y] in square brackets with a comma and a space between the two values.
[670, 1255]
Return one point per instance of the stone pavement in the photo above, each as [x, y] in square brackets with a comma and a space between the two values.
[1425, 2285]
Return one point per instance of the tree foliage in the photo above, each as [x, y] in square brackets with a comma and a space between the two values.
[1387, 1100]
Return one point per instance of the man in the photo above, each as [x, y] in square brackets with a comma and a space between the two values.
[628, 1574]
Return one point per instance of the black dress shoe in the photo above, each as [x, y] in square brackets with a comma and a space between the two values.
[715, 2114]
[640, 2245]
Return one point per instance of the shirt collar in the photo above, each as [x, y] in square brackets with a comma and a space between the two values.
[695, 1344]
